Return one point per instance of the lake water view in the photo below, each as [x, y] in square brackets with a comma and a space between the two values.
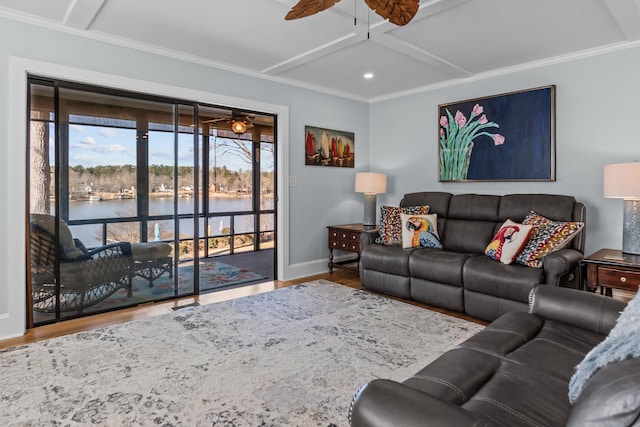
[90, 235]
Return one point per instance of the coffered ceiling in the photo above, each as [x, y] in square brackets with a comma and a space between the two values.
[448, 40]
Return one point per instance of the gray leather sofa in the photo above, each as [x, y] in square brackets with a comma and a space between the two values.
[460, 276]
[515, 372]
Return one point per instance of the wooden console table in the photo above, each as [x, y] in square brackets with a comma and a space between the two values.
[346, 238]
[611, 268]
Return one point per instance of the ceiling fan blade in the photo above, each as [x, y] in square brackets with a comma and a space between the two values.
[214, 120]
[309, 7]
[398, 12]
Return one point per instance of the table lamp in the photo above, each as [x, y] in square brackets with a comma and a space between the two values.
[371, 184]
[622, 181]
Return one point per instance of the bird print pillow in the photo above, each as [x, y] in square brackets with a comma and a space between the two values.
[508, 241]
[390, 222]
[420, 231]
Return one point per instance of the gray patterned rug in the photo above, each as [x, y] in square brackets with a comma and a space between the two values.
[290, 357]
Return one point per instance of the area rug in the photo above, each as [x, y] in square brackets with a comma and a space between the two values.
[290, 357]
[212, 274]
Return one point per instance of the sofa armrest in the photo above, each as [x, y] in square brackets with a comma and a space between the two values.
[561, 263]
[583, 309]
[388, 403]
[368, 237]
[610, 397]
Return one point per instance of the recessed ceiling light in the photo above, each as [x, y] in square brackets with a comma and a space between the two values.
[368, 75]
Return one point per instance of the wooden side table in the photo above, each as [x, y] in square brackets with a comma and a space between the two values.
[346, 238]
[611, 268]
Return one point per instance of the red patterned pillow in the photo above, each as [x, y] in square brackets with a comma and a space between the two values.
[547, 236]
[508, 241]
[390, 224]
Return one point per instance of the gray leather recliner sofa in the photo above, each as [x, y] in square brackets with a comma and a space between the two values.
[460, 276]
[516, 372]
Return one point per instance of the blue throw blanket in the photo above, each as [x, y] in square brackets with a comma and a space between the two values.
[623, 342]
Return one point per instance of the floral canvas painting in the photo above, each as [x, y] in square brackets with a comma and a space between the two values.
[507, 137]
[328, 147]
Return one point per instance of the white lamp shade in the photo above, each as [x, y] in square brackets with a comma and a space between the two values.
[622, 180]
[370, 182]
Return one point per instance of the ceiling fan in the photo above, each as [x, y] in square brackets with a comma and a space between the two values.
[398, 12]
[238, 122]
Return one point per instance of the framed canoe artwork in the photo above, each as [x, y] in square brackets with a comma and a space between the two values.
[328, 147]
[507, 137]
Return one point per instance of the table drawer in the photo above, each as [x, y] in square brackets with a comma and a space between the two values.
[617, 278]
[349, 245]
[350, 236]
[344, 240]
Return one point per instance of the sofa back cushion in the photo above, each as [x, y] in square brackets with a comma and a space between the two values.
[553, 206]
[516, 206]
[468, 222]
[440, 205]
[471, 222]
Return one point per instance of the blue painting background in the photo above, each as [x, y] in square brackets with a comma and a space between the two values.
[525, 120]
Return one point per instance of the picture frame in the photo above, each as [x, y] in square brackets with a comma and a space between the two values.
[505, 137]
[329, 147]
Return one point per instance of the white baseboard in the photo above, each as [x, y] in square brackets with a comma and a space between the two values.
[310, 268]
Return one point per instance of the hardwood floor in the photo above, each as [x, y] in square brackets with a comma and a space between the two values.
[344, 277]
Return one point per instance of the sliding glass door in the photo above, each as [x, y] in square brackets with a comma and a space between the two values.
[128, 192]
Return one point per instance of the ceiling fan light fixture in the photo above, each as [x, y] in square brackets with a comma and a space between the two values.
[238, 127]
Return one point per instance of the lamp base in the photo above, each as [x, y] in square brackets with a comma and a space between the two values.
[631, 227]
[370, 209]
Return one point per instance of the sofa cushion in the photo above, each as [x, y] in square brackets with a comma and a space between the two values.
[481, 377]
[470, 223]
[556, 349]
[390, 222]
[452, 378]
[474, 207]
[467, 236]
[505, 334]
[437, 265]
[420, 231]
[388, 259]
[511, 281]
[391, 284]
[547, 236]
[517, 206]
[519, 396]
[438, 201]
[508, 241]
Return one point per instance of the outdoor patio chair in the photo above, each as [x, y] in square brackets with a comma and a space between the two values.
[86, 276]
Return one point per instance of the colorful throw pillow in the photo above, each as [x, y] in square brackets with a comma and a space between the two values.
[547, 236]
[390, 227]
[420, 231]
[508, 241]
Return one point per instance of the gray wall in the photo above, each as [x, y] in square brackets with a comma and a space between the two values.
[597, 123]
[597, 113]
[322, 196]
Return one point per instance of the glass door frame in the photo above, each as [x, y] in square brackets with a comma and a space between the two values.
[62, 163]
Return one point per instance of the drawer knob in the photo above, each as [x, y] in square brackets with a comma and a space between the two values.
[623, 279]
